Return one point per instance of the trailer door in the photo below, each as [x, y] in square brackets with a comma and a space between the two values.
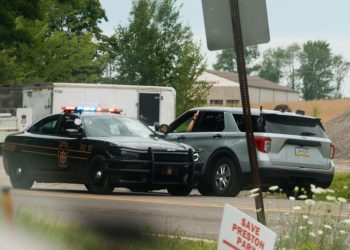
[149, 108]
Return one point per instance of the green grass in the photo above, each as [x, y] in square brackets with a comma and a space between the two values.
[84, 238]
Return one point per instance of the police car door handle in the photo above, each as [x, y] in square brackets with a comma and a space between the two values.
[181, 137]
[217, 136]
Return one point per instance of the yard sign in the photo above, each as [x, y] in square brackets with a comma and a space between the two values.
[241, 232]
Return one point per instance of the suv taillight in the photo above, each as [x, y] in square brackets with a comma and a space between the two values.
[332, 151]
[263, 144]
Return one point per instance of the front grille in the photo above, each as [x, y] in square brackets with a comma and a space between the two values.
[171, 157]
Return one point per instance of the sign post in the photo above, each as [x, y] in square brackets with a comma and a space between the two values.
[254, 15]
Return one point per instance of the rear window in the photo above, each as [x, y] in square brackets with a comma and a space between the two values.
[278, 124]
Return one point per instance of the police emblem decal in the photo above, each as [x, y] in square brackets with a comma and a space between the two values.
[62, 154]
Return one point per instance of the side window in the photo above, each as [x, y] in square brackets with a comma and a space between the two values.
[47, 126]
[210, 122]
[67, 123]
[182, 123]
[241, 126]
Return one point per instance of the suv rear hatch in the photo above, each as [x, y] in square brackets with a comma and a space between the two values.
[293, 140]
[296, 141]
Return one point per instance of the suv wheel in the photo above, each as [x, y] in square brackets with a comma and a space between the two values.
[98, 176]
[179, 191]
[18, 176]
[224, 181]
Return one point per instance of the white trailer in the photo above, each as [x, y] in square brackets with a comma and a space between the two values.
[13, 121]
[148, 103]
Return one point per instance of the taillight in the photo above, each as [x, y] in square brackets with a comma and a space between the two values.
[263, 144]
[332, 151]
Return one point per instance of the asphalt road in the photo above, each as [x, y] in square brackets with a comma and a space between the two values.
[123, 211]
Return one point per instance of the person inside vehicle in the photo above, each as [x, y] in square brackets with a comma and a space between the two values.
[194, 118]
[283, 108]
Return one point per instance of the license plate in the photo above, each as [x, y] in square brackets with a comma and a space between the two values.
[302, 151]
[169, 171]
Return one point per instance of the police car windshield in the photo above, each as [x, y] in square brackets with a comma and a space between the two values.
[114, 126]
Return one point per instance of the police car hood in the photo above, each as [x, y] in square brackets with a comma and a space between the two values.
[145, 143]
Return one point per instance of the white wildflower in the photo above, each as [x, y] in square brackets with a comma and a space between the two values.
[318, 190]
[327, 226]
[310, 222]
[286, 213]
[305, 217]
[312, 234]
[286, 236]
[319, 232]
[253, 191]
[292, 198]
[273, 188]
[331, 191]
[309, 202]
[342, 232]
[342, 200]
[254, 195]
[297, 208]
[302, 197]
[302, 227]
[312, 186]
[330, 198]
[346, 187]
[296, 189]
[346, 221]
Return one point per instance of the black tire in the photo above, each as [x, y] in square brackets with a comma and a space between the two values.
[204, 188]
[98, 176]
[18, 173]
[224, 179]
[179, 191]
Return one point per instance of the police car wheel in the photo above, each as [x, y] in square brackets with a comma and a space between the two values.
[17, 173]
[224, 179]
[179, 191]
[98, 176]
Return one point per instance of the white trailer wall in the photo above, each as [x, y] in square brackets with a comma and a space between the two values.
[117, 96]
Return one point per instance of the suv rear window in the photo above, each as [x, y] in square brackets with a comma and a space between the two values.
[278, 124]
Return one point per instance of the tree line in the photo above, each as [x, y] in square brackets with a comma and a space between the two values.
[312, 68]
[45, 41]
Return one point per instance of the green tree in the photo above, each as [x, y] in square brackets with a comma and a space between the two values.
[156, 49]
[273, 64]
[290, 64]
[226, 59]
[316, 70]
[340, 69]
[62, 44]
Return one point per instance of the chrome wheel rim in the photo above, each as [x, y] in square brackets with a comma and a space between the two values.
[223, 177]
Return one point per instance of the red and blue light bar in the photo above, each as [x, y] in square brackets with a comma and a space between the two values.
[81, 109]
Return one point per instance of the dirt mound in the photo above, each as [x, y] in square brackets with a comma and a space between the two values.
[338, 130]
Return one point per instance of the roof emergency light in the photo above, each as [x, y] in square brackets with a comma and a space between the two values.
[90, 109]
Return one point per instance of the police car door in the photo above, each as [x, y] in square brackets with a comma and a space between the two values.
[72, 152]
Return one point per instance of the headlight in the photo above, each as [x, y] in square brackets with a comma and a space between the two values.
[129, 154]
[124, 153]
[195, 156]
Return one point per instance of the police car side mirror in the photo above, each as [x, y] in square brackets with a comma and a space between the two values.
[156, 126]
[73, 132]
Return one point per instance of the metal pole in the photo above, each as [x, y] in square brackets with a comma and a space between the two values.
[243, 83]
[7, 204]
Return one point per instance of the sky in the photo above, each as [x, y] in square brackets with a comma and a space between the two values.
[289, 21]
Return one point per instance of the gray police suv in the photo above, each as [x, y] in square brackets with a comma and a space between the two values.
[292, 149]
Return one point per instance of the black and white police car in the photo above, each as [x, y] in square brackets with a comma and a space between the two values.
[101, 150]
